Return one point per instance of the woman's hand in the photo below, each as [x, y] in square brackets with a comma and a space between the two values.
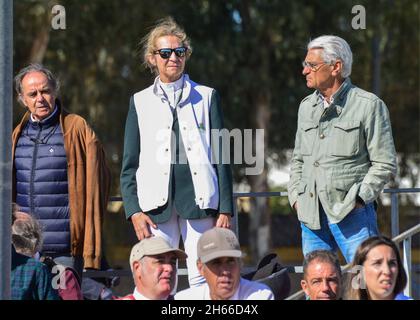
[223, 220]
[142, 223]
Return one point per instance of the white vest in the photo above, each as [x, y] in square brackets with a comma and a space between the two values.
[155, 121]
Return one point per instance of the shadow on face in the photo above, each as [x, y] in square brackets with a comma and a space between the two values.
[222, 276]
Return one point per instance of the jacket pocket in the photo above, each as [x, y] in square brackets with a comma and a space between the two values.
[346, 138]
[304, 203]
[340, 188]
[301, 187]
[308, 134]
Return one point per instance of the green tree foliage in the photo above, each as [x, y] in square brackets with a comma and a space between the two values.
[250, 51]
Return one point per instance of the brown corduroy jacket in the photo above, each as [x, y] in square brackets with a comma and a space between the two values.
[88, 183]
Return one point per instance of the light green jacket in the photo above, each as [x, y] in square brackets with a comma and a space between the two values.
[341, 152]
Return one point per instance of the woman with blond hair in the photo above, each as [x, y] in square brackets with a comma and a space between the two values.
[170, 185]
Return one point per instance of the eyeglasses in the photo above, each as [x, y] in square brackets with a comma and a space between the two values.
[165, 53]
[313, 66]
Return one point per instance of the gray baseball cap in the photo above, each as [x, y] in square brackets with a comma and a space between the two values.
[216, 243]
[152, 246]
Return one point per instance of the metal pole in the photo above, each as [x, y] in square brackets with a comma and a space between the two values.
[407, 264]
[235, 220]
[6, 100]
[395, 227]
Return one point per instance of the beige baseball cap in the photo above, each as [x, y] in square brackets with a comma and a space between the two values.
[152, 246]
[217, 243]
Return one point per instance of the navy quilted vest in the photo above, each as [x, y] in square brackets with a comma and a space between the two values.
[41, 180]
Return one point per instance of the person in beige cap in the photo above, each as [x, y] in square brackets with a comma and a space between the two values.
[153, 264]
[219, 263]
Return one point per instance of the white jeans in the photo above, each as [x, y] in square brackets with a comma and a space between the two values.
[191, 230]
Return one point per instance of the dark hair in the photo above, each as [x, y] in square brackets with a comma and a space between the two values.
[36, 67]
[322, 256]
[359, 259]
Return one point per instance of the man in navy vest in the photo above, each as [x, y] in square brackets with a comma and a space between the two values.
[60, 172]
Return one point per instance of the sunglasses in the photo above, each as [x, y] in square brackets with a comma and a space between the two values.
[165, 53]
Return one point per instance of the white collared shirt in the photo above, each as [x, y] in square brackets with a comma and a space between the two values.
[172, 90]
[51, 115]
[138, 296]
[247, 290]
[324, 100]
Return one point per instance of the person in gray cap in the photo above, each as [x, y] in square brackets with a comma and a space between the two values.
[153, 264]
[219, 263]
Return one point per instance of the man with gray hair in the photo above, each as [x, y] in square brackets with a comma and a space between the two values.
[60, 175]
[344, 153]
